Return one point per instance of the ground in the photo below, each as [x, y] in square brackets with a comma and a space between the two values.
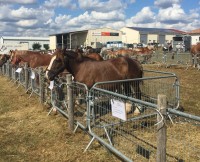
[27, 133]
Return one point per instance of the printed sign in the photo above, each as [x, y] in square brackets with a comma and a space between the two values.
[118, 109]
[51, 85]
[32, 75]
[19, 70]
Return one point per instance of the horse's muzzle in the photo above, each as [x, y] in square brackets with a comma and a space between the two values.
[50, 75]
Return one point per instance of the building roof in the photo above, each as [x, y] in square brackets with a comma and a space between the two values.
[157, 30]
[82, 31]
[196, 31]
[25, 38]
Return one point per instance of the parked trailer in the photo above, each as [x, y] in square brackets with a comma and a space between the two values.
[181, 43]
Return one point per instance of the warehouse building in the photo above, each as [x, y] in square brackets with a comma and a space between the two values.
[195, 34]
[135, 35]
[21, 43]
[95, 38]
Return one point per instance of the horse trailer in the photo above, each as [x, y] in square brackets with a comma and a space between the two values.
[181, 43]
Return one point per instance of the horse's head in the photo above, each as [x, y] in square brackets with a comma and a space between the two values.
[3, 59]
[15, 60]
[60, 62]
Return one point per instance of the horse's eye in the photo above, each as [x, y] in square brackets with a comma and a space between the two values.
[57, 60]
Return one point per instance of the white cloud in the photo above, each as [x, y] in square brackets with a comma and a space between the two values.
[95, 18]
[110, 16]
[166, 3]
[61, 19]
[23, 13]
[4, 10]
[172, 15]
[101, 6]
[27, 23]
[60, 3]
[143, 17]
[18, 1]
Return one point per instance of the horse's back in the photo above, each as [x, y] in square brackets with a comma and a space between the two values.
[94, 56]
[131, 68]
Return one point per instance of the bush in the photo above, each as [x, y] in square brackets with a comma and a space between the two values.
[36, 46]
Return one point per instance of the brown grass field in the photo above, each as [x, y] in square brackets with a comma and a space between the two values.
[28, 134]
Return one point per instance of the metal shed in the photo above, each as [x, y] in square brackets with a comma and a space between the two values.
[21, 43]
[92, 37]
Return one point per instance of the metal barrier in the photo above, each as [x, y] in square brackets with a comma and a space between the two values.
[168, 59]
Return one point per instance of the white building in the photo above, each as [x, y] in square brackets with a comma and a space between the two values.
[134, 35]
[21, 43]
[195, 34]
[92, 37]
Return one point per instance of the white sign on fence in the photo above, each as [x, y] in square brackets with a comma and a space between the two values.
[118, 109]
[51, 85]
[19, 70]
[32, 75]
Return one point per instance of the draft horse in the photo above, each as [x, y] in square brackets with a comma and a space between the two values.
[90, 71]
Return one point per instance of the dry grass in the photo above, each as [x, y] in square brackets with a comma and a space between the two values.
[28, 134]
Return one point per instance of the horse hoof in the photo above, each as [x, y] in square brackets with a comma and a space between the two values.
[136, 112]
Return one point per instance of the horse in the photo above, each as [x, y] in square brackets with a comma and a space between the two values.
[195, 51]
[34, 59]
[124, 52]
[94, 56]
[89, 71]
[3, 59]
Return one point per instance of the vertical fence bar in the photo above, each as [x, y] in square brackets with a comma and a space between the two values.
[26, 76]
[41, 77]
[70, 103]
[161, 129]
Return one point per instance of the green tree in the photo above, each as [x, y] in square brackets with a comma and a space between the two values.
[46, 46]
[36, 46]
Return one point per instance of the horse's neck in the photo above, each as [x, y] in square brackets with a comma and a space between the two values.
[74, 67]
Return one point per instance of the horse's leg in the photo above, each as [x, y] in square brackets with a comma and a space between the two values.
[133, 90]
[138, 95]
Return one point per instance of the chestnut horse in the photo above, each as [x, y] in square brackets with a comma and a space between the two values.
[89, 71]
[34, 59]
[195, 51]
[94, 56]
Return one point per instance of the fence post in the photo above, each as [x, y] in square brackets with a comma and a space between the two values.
[41, 74]
[26, 76]
[161, 129]
[70, 103]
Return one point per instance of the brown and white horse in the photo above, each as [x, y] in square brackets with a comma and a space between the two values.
[89, 71]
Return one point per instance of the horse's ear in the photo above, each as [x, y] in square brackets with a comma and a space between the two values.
[79, 57]
[70, 54]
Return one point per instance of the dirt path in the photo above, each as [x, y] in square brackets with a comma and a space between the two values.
[28, 134]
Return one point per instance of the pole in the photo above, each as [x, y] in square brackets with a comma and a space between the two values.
[161, 129]
[70, 103]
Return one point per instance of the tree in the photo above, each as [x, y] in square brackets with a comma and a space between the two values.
[36, 46]
[46, 46]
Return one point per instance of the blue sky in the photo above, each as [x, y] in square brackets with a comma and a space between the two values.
[45, 17]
